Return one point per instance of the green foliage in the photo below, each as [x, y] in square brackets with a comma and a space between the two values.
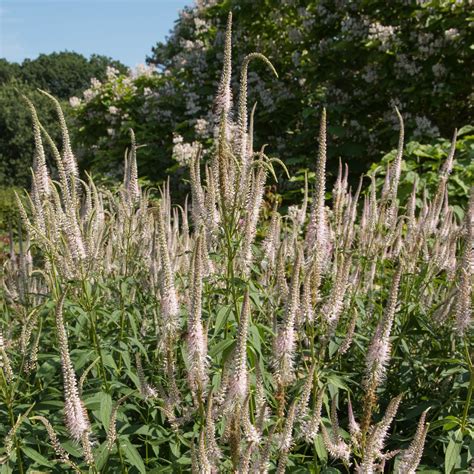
[8, 206]
[422, 163]
[9, 217]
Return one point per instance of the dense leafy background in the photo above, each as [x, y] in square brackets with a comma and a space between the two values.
[358, 59]
[62, 74]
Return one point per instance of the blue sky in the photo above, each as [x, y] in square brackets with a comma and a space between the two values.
[123, 29]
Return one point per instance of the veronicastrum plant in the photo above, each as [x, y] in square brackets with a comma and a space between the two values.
[203, 338]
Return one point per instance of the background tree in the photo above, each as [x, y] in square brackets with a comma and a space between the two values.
[359, 59]
[66, 74]
[63, 74]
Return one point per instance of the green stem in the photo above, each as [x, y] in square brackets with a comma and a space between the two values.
[469, 390]
[21, 469]
[93, 335]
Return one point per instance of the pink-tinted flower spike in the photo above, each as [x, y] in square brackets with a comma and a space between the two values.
[40, 169]
[224, 91]
[463, 309]
[285, 341]
[379, 350]
[169, 297]
[77, 421]
[69, 160]
[411, 457]
[197, 349]
[133, 187]
[317, 227]
[239, 380]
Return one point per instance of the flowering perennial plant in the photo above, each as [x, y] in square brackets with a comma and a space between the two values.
[229, 343]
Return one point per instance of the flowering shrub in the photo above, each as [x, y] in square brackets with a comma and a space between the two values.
[108, 109]
[208, 339]
[358, 59]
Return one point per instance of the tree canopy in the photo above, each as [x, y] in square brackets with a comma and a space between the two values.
[358, 59]
[63, 74]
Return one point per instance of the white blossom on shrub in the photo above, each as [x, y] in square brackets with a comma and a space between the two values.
[183, 152]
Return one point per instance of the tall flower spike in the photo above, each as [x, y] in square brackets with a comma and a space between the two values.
[146, 390]
[463, 311]
[373, 208]
[242, 117]
[224, 91]
[238, 385]
[336, 448]
[196, 340]
[205, 464]
[379, 349]
[354, 428]
[251, 432]
[375, 442]
[251, 219]
[251, 128]
[126, 171]
[211, 213]
[396, 167]
[133, 187]
[223, 169]
[261, 408]
[306, 393]
[281, 284]
[197, 193]
[63, 177]
[5, 361]
[445, 171]
[77, 421]
[221, 163]
[350, 331]
[411, 457]
[338, 194]
[285, 341]
[378, 353]
[335, 305]
[393, 176]
[287, 435]
[60, 452]
[69, 160]
[112, 429]
[310, 428]
[9, 441]
[317, 231]
[40, 169]
[36, 204]
[411, 205]
[272, 239]
[212, 448]
[169, 298]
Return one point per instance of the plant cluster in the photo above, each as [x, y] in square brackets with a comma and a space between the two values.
[205, 338]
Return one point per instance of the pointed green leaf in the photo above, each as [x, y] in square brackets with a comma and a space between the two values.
[133, 456]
